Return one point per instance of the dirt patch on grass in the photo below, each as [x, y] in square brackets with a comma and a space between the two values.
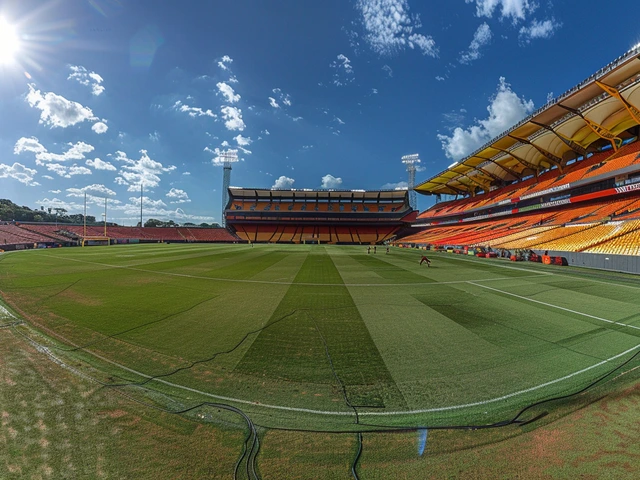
[81, 299]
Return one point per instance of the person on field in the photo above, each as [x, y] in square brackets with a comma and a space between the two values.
[374, 249]
[387, 248]
[425, 259]
[368, 249]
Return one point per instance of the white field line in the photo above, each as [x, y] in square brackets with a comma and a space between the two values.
[4, 313]
[324, 412]
[268, 282]
[504, 397]
[392, 413]
[575, 277]
[554, 306]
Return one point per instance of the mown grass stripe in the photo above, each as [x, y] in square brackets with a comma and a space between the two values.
[293, 350]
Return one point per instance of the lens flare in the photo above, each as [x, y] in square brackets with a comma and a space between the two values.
[9, 42]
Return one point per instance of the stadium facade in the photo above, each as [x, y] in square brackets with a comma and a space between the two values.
[318, 216]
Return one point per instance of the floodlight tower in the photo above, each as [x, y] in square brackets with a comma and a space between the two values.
[226, 158]
[410, 161]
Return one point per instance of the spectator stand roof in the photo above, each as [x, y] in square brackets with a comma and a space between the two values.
[599, 109]
[314, 195]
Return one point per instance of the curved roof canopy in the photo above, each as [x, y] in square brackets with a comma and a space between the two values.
[601, 108]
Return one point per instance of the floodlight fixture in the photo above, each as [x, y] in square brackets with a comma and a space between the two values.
[410, 161]
[226, 157]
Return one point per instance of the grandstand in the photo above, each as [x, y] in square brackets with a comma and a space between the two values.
[34, 235]
[317, 216]
[564, 179]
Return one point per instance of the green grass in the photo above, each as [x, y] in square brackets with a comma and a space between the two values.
[328, 329]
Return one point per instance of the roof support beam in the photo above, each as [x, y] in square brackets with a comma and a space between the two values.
[557, 161]
[506, 169]
[579, 149]
[521, 161]
[480, 184]
[446, 184]
[457, 190]
[602, 132]
[489, 174]
[614, 92]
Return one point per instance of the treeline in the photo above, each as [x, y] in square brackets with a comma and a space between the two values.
[152, 222]
[10, 212]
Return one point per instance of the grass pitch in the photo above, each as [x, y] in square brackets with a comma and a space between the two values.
[327, 338]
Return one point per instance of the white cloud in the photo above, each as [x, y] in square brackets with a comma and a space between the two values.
[388, 69]
[75, 152]
[395, 186]
[283, 182]
[48, 177]
[19, 172]
[343, 70]
[186, 173]
[145, 171]
[243, 141]
[481, 38]
[227, 91]
[147, 202]
[515, 10]
[100, 164]
[266, 132]
[233, 118]
[440, 79]
[505, 109]
[57, 111]
[537, 29]
[178, 196]
[284, 98]
[224, 62]
[339, 120]
[273, 103]
[155, 136]
[99, 127]
[87, 78]
[390, 28]
[374, 91]
[67, 172]
[55, 191]
[30, 144]
[296, 119]
[95, 190]
[330, 182]
[193, 111]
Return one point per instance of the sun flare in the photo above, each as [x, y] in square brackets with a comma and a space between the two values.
[9, 42]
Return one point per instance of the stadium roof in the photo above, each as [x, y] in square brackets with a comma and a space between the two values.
[601, 107]
[266, 194]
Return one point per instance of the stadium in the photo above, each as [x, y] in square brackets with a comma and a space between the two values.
[305, 339]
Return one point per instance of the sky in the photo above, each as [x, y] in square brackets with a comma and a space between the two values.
[99, 97]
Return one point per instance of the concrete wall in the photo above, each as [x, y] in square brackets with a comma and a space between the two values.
[618, 263]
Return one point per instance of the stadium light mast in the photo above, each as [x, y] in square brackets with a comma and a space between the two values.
[411, 161]
[225, 159]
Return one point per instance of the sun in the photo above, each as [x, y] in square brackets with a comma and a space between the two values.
[9, 42]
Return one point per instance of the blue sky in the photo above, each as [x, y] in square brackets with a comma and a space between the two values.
[99, 96]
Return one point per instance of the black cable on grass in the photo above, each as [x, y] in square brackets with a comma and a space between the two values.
[113, 335]
[354, 465]
[251, 444]
[343, 387]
